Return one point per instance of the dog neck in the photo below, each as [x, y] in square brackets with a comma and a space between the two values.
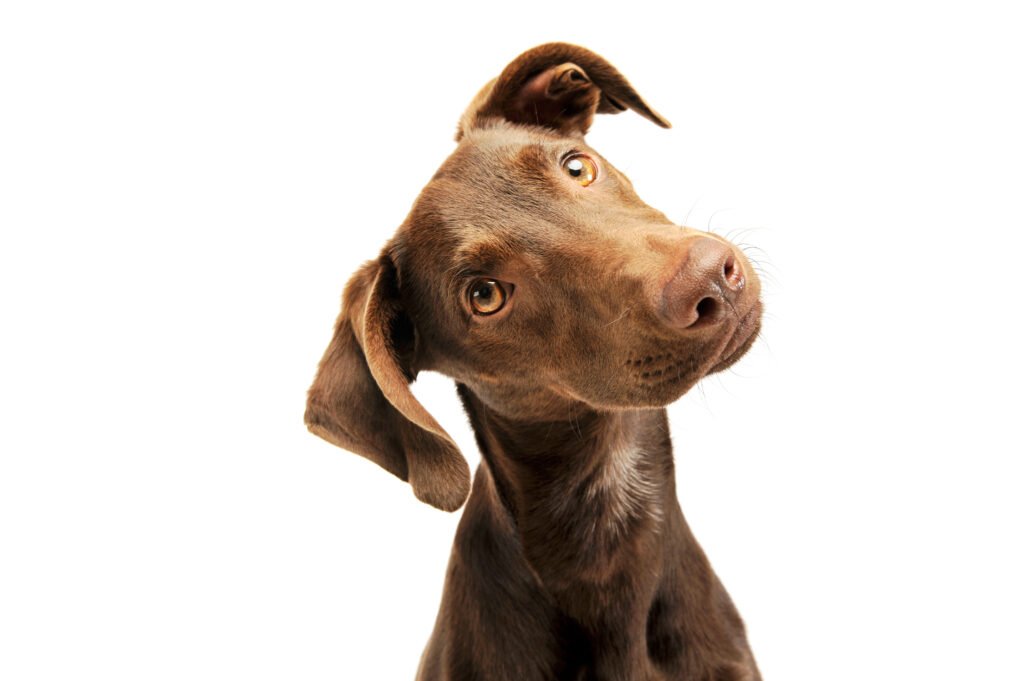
[587, 493]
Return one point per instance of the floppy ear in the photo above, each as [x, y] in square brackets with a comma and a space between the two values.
[360, 399]
[557, 86]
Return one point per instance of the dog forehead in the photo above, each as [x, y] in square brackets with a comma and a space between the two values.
[455, 230]
[499, 185]
[487, 160]
[497, 133]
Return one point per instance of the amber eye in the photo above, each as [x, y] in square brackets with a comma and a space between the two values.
[487, 296]
[580, 168]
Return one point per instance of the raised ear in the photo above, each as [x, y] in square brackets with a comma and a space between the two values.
[557, 86]
[360, 399]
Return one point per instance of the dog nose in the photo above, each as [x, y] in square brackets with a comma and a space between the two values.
[705, 286]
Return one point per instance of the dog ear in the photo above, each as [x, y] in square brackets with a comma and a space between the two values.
[360, 399]
[557, 86]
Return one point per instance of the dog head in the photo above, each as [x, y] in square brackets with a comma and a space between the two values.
[529, 271]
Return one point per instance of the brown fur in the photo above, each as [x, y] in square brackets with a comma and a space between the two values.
[573, 559]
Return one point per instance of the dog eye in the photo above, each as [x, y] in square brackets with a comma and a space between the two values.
[580, 168]
[486, 296]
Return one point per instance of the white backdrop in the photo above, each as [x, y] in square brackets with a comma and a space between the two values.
[185, 188]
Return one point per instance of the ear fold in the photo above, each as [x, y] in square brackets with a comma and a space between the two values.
[558, 86]
[360, 399]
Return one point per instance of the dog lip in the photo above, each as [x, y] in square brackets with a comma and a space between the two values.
[742, 337]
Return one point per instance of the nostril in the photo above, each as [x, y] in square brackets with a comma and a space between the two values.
[729, 268]
[732, 274]
[706, 308]
[707, 282]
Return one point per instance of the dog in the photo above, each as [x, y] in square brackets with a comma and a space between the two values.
[569, 313]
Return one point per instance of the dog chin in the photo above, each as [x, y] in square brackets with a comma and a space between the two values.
[631, 394]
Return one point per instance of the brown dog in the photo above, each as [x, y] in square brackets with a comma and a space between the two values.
[569, 313]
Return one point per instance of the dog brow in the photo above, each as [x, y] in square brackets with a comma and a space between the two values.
[480, 256]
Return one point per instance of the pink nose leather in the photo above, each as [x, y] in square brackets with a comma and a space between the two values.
[706, 285]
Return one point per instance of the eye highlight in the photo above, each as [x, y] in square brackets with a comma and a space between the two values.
[582, 169]
[487, 296]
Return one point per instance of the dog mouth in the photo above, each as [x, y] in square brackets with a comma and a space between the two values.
[743, 336]
[669, 367]
[659, 376]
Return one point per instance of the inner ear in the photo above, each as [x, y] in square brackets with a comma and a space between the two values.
[562, 97]
[403, 338]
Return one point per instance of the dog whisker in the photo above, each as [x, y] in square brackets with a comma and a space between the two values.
[695, 202]
[620, 317]
[711, 218]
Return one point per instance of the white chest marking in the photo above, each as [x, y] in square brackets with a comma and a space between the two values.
[625, 489]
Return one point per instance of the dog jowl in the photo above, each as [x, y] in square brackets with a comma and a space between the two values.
[569, 313]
